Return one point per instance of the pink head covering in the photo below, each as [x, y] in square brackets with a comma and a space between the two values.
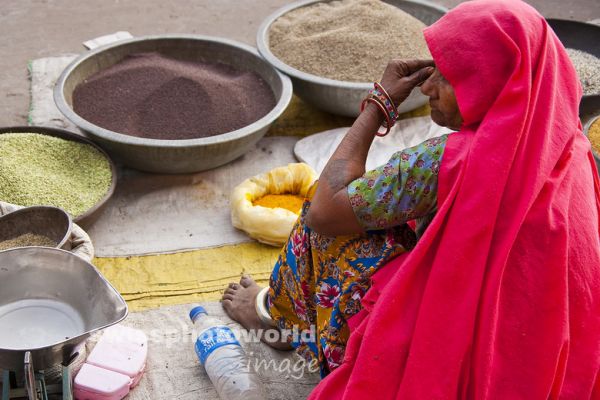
[500, 298]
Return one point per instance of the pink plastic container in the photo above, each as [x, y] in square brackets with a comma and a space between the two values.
[123, 350]
[93, 383]
[115, 365]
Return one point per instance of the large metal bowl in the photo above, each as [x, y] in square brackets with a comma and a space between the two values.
[50, 302]
[579, 36]
[589, 111]
[341, 97]
[174, 156]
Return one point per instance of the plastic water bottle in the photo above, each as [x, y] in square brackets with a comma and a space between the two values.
[224, 359]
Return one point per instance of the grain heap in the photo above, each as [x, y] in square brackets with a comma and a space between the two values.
[27, 239]
[348, 40]
[594, 135]
[290, 202]
[150, 95]
[588, 70]
[43, 170]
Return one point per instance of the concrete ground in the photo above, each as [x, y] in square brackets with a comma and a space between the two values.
[40, 28]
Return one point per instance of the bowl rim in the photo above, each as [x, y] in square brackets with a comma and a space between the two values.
[29, 209]
[66, 135]
[571, 22]
[112, 136]
[262, 42]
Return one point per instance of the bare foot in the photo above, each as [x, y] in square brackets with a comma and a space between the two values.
[239, 302]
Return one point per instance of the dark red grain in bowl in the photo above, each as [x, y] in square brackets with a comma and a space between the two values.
[155, 96]
[86, 219]
[184, 155]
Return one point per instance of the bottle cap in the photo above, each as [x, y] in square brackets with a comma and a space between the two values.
[197, 310]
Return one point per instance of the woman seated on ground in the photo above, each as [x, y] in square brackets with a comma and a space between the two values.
[496, 292]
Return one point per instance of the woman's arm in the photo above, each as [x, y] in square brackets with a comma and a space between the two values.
[330, 212]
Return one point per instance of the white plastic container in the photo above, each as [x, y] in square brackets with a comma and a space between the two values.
[224, 359]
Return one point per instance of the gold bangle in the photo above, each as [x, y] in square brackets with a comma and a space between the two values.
[380, 86]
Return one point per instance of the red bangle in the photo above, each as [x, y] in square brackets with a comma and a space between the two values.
[382, 109]
[385, 99]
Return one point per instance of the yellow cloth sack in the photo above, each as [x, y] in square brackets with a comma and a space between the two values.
[270, 225]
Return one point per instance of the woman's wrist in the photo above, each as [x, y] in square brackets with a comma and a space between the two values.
[370, 120]
[380, 98]
[373, 113]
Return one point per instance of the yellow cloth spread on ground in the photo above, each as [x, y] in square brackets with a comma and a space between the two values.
[188, 277]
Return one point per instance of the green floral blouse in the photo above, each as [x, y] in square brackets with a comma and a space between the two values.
[403, 189]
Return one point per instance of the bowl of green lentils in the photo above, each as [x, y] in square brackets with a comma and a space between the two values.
[42, 166]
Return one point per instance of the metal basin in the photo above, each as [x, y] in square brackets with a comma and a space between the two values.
[585, 37]
[589, 111]
[50, 302]
[52, 222]
[578, 35]
[341, 97]
[175, 156]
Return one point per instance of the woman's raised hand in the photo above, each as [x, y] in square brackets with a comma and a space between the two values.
[402, 76]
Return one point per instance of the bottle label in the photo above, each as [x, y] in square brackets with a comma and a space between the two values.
[213, 338]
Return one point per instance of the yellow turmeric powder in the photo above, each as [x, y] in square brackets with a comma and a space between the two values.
[290, 202]
[594, 135]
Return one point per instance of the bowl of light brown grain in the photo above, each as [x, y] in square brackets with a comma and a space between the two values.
[334, 50]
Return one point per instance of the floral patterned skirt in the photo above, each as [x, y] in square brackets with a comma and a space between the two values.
[318, 282]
